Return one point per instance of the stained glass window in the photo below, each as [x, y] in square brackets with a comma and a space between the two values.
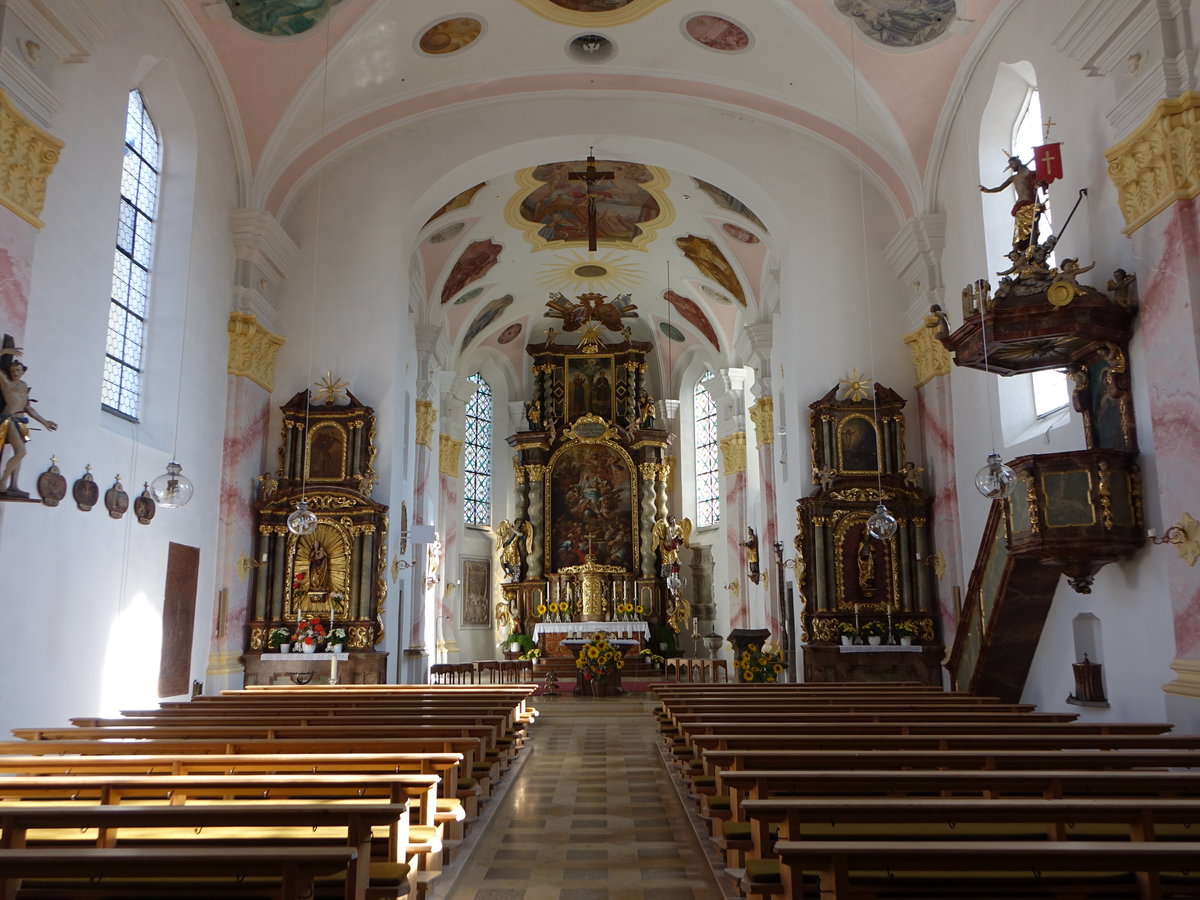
[708, 481]
[127, 310]
[477, 465]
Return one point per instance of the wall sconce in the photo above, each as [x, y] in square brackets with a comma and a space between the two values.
[418, 534]
[245, 564]
[1184, 536]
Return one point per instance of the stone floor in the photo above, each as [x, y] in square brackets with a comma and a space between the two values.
[592, 813]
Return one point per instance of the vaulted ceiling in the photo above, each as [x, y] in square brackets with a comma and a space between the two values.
[302, 80]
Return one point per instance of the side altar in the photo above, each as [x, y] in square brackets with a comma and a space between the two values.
[591, 485]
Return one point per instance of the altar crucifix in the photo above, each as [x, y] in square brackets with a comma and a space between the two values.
[590, 176]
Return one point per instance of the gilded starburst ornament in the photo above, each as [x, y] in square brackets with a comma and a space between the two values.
[330, 390]
[856, 387]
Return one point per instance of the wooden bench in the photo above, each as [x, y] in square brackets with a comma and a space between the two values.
[289, 872]
[843, 869]
[257, 824]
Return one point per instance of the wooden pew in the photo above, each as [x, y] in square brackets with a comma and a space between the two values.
[65, 827]
[293, 869]
[837, 864]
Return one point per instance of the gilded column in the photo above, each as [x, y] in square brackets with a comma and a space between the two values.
[648, 472]
[536, 562]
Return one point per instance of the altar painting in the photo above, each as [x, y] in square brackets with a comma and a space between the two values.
[590, 381]
[591, 507]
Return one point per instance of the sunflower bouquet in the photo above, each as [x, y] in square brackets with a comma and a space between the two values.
[597, 658]
[759, 665]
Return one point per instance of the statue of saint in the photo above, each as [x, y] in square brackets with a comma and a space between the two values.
[319, 580]
[1025, 211]
[751, 545]
[15, 412]
[866, 564]
[515, 540]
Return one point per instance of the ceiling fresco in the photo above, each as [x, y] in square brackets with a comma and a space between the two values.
[450, 35]
[458, 201]
[901, 24]
[690, 311]
[279, 18]
[727, 201]
[708, 258]
[629, 207]
[593, 13]
[486, 317]
[475, 262]
[717, 33]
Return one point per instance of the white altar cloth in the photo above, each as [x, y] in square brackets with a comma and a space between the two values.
[590, 628]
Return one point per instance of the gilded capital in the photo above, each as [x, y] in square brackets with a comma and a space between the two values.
[27, 157]
[449, 454]
[762, 414]
[536, 473]
[426, 416]
[733, 453]
[1160, 162]
[929, 355]
[252, 350]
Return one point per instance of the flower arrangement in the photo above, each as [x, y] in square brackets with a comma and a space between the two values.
[309, 631]
[532, 654]
[847, 629]
[873, 628]
[907, 628]
[278, 635]
[337, 635]
[554, 611]
[757, 665]
[597, 658]
[298, 583]
[627, 611]
[651, 657]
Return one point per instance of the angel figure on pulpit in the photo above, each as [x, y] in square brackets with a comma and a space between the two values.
[515, 540]
[668, 536]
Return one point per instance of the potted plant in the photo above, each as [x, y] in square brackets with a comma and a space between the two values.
[337, 639]
[597, 660]
[759, 666]
[847, 632]
[907, 630]
[279, 638]
[873, 630]
[534, 655]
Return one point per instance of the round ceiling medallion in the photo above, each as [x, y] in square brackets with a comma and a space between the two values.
[509, 333]
[450, 35]
[591, 271]
[671, 331]
[591, 48]
[716, 33]
[738, 233]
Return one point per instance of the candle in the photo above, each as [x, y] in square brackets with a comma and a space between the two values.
[333, 669]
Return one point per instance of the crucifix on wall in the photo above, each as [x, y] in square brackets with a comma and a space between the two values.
[590, 176]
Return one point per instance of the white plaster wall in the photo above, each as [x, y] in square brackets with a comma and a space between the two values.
[97, 581]
[1128, 597]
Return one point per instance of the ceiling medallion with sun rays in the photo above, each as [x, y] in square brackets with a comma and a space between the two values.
[574, 272]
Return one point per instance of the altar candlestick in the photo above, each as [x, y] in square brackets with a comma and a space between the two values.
[856, 617]
[333, 669]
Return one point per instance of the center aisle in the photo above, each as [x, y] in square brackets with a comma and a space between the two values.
[592, 815]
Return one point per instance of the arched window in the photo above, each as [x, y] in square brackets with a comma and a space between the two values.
[477, 467]
[128, 307]
[708, 481]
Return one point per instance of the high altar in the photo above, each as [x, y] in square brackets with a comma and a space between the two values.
[591, 482]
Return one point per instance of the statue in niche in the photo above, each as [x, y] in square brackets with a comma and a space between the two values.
[646, 410]
[866, 564]
[15, 412]
[318, 569]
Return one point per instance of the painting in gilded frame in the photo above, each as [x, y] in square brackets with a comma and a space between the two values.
[590, 386]
[591, 506]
